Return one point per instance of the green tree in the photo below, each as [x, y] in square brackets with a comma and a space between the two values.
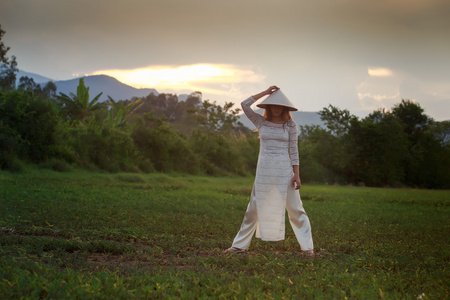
[8, 66]
[77, 108]
[27, 126]
[441, 130]
[310, 142]
[163, 146]
[194, 99]
[27, 84]
[215, 118]
[101, 146]
[337, 121]
[414, 119]
[324, 156]
[416, 125]
[335, 153]
[215, 140]
[378, 144]
[49, 90]
[119, 112]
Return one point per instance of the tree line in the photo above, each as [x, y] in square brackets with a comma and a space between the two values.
[398, 147]
[138, 135]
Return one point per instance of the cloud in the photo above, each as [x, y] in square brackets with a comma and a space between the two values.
[209, 78]
[379, 72]
[386, 91]
[317, 51]
[378, 97]
[380, 90]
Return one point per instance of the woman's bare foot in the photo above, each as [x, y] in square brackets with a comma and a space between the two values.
[234, 250]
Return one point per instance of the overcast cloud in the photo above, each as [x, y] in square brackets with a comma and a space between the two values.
[354, 54]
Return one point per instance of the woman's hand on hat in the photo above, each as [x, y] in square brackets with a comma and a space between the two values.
[269, 91]
[272, 89]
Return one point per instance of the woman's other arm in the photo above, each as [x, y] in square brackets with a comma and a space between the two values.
[293, 152]
[296, 182]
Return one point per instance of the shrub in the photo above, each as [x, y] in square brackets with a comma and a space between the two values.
[102, 146]
[10, 141]
[56, 164]
[27, 126]
[310, 168]
[14, 165]
[165, 147]
[248, 149]
[217, 153]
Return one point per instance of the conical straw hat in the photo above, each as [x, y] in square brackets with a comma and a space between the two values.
[277, 98]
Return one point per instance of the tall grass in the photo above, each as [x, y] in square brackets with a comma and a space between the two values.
[98, 235]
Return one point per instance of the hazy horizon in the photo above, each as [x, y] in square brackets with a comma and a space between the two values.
[353, 55]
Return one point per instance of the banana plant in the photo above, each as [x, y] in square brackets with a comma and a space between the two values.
[116, 119]
[119, 113]
[78, 108]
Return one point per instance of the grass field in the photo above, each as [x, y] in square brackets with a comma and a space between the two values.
[92, 235]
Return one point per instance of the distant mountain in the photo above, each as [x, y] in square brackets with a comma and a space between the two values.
[106, 84]
[96, 83]
[37, 78]
[120, 91]
[302, 118]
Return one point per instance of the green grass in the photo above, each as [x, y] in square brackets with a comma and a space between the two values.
[94, 235]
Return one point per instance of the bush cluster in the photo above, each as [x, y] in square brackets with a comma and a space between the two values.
[401, 147]
[35, 129]
[27, 127]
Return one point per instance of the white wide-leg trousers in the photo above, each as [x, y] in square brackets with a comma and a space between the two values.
[297, 217]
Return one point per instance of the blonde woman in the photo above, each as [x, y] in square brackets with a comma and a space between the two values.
[277, 180]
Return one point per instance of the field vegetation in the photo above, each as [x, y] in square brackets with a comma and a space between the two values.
[138, 198]
[100, 235]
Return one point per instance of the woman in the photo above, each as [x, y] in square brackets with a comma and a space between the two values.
[277, 176]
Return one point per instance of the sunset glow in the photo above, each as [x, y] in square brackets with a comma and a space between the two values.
[379, 72]
[204, 77]
[317, 52]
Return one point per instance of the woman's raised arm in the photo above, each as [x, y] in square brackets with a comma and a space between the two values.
[269, 91]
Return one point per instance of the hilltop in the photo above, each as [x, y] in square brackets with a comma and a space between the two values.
[117, 90]
[110, 86]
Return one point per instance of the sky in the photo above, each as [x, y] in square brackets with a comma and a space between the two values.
[358, 55]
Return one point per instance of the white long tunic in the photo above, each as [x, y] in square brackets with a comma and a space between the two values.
[278, 153]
